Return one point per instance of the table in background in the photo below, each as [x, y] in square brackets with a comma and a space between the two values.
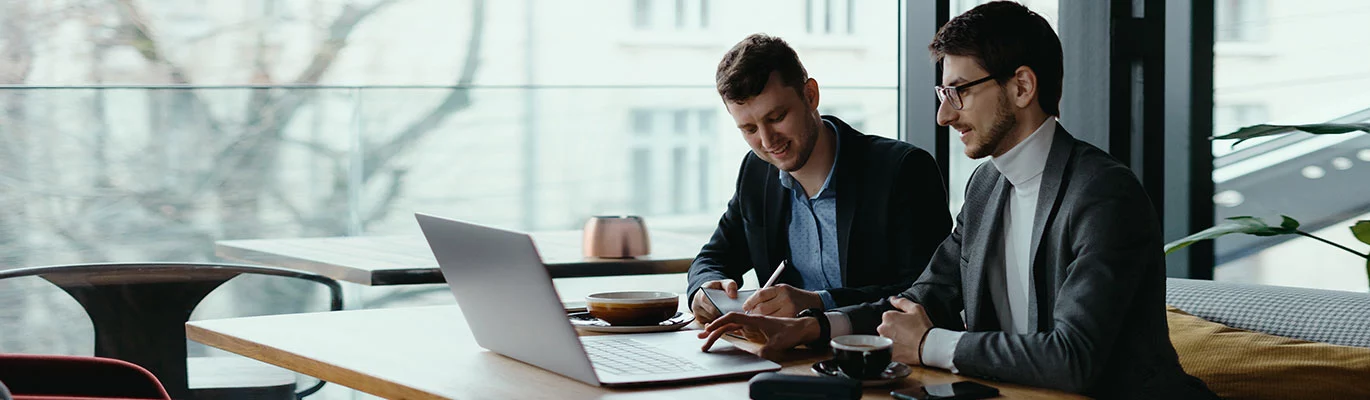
[407, 260]
[429, 353]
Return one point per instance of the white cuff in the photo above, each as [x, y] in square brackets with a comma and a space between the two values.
[939, 349]
[838, 324]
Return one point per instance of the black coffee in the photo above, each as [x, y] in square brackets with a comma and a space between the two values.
[867, 363]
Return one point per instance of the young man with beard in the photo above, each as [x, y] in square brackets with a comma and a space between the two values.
[1056, 259]
[856, 216]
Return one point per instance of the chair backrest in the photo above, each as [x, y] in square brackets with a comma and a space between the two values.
[47, 376]
[1326, 316]
[139, 310]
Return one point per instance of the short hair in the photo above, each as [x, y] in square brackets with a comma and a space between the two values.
[744, 70]
[1002, 36]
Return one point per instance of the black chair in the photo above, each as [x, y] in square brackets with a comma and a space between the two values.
[139, 311]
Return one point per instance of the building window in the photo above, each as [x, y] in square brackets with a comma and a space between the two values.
[1240, 20]
[677, 15]
[642, 180]
[829, 17]
[671, 150]
[642, 14]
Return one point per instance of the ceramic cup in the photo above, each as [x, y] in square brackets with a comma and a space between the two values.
[861, 356]
[632, 308]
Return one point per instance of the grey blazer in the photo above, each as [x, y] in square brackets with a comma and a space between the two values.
[1098, 312]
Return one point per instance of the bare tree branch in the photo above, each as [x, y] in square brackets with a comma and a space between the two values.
[276, 112]
[17, 55]
[338, 32]
[458, 99]
[392, 192]
[136, 25]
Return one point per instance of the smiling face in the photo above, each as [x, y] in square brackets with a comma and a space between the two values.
[987, 115]
[780, 125]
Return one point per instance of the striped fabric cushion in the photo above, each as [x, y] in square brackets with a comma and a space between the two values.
[1327, 316]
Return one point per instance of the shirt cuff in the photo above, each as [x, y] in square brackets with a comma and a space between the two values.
[939, 349]
[828, 303]
[838, 324]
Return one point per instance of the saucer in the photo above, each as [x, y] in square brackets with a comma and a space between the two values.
[894, 372]
[584, 321]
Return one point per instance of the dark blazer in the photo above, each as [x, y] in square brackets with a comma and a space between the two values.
[891, 214]
[1098, 311]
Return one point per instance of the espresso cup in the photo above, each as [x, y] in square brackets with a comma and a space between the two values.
[634, 308]
[861, 356]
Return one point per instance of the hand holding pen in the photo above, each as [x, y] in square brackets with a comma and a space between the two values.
[781, 300]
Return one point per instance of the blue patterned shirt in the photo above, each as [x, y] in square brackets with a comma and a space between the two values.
[813, 231]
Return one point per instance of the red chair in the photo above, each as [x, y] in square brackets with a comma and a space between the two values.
[43, 377]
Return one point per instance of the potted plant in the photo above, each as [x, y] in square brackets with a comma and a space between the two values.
[1288, 226]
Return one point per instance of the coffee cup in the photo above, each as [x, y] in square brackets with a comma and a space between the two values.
[633, 308]
[861, 356]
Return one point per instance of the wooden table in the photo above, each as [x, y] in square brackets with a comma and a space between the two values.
[407, 260]
[428, 353]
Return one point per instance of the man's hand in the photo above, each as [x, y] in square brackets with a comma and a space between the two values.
[907, 328]
[775, 333]
[781, 301]
[702, 308]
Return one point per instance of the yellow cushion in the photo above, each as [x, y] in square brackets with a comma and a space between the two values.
[1240, 364]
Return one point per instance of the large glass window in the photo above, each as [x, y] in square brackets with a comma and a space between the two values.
[530, 115]
[1292, 63]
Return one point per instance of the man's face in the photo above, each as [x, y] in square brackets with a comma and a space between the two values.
[986, 116]
[779, 124]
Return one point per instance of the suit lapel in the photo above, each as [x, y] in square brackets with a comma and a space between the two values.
[1048, 202]
[848, 197]
[986, 238]
[777, 220]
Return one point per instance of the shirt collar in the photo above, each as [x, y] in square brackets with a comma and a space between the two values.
[1028, 158]
[829, 184]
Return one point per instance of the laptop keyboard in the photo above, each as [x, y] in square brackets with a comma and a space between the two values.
[630, 357]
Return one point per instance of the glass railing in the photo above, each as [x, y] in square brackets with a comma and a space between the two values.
[127, 174]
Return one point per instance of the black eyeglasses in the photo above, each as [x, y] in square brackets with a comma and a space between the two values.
[952, 94]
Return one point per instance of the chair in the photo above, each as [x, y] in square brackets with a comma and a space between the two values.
[74, 377]
[139, 311]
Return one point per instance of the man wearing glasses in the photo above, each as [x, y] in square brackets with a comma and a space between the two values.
[1056, 259]
[856, 216]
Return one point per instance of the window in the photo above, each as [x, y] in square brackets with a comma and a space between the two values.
[1305, 48]
[679, 140]
[670, 14]
[559, 120]
[829, 17]
[1240, 20]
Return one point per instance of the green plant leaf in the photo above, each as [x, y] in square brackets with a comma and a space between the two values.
[1244, 224]
[1362, 231]
[1255, 131]
[1289, 223]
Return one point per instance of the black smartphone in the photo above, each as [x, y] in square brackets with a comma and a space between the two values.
[964, 390]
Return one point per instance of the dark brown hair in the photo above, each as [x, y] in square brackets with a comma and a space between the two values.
[744, 70]
[1002, 36]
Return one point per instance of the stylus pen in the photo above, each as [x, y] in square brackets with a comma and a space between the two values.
[776, 275]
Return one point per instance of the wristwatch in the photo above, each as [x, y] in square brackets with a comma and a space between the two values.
[824, 330]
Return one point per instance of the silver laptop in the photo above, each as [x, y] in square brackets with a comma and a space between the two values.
[512, 308]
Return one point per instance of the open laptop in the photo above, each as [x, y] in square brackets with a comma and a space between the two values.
[512, 308]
